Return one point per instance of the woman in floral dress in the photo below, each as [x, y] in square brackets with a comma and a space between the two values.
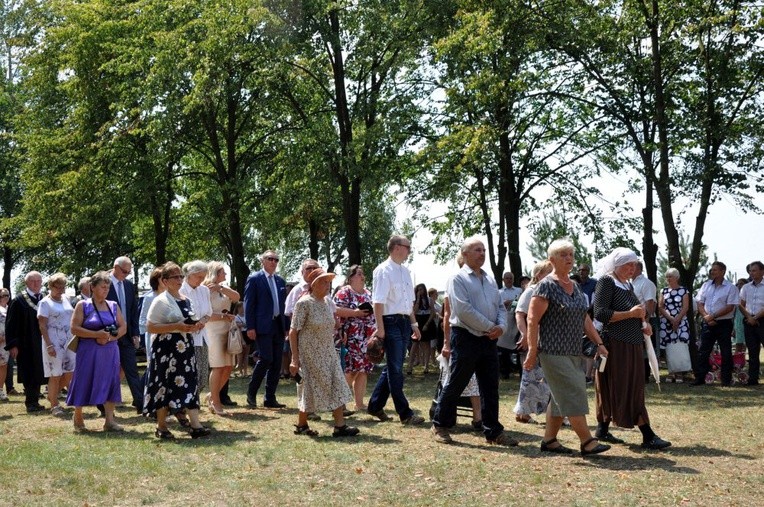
[322, 386]
[171, 381]
[358, 326]
[673, 305]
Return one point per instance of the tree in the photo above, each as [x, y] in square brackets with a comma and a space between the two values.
[361, 60]
[695, 115]
[501, 136]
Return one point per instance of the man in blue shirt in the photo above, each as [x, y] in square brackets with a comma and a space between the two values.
[478, 318]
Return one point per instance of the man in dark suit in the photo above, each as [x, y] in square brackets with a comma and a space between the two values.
[124, 293]
[264, 298]
[24, 342]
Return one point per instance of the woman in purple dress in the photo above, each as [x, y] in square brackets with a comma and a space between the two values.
[97, 322]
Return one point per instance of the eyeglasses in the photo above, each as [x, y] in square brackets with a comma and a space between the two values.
[272, 259]
[308, 269]
[4, 296]
[175, 277]
[124, 271]
[407, 247]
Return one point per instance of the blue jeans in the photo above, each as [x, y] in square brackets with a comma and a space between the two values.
[721, 333]
[471, 354]
[268, 366]
[390, 383]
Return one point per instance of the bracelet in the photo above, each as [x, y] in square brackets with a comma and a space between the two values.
[601, 344]
[49, 347]
[415, 324]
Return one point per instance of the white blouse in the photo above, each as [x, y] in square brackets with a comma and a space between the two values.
[200, 301]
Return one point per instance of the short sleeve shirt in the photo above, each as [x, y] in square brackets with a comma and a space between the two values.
[562, 326]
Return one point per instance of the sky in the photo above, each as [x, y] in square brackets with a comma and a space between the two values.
[734, 237]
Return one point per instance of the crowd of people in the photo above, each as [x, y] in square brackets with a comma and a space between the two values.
[197, 330]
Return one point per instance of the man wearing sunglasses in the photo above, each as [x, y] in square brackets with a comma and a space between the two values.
[393, 297]
[264, 298]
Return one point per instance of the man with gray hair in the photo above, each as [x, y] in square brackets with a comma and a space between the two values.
[123, 291]
[478, 319]
[264, 298]
[24, 341]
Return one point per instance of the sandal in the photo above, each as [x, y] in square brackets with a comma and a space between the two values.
[163, 434]
[183, 421]
[594, 450]
[559, 449]
[305, 430]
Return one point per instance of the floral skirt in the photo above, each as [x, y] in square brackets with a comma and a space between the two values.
[171, 375]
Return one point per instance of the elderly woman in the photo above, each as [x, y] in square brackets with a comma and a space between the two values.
[171, 379]
[620, 393]
[533, 397]
[220, 361]
[311, 338]
[358, 326]
[97, 323]
[54, 313]
[557, 320]
[673, 305]
[199, 295]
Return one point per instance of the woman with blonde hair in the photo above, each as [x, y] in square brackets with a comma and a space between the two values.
[220, 361]
[54, 313]
[557, 320]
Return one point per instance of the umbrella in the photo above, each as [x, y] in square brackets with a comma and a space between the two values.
[653, 360]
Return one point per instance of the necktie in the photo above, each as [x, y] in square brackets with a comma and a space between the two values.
[121, 297]
[274, 295]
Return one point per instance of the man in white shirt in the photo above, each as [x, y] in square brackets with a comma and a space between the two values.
[752, 306]
[393, 298]
[646, 292]
[717, 300]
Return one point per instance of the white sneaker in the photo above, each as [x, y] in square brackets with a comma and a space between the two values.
[3, 396]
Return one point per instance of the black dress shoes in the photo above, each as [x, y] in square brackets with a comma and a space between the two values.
[656, 444]
[273, 404]
[228, 402]
[251, 402]
[31, 409]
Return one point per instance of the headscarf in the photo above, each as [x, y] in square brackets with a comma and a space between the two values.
[615, 259]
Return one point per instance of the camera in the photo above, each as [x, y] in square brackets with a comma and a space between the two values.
[112, 329]
[191, 318]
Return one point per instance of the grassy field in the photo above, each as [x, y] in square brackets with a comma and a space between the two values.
[253, 458]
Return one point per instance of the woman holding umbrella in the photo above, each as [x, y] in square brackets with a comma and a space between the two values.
[620, 388]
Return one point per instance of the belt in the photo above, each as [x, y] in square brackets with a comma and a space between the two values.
[396, 316]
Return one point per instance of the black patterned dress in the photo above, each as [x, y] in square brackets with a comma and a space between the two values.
[171, 374]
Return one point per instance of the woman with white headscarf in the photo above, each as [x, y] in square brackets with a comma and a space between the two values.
[620, 388]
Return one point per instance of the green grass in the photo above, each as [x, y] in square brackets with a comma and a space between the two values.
[253, 458]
